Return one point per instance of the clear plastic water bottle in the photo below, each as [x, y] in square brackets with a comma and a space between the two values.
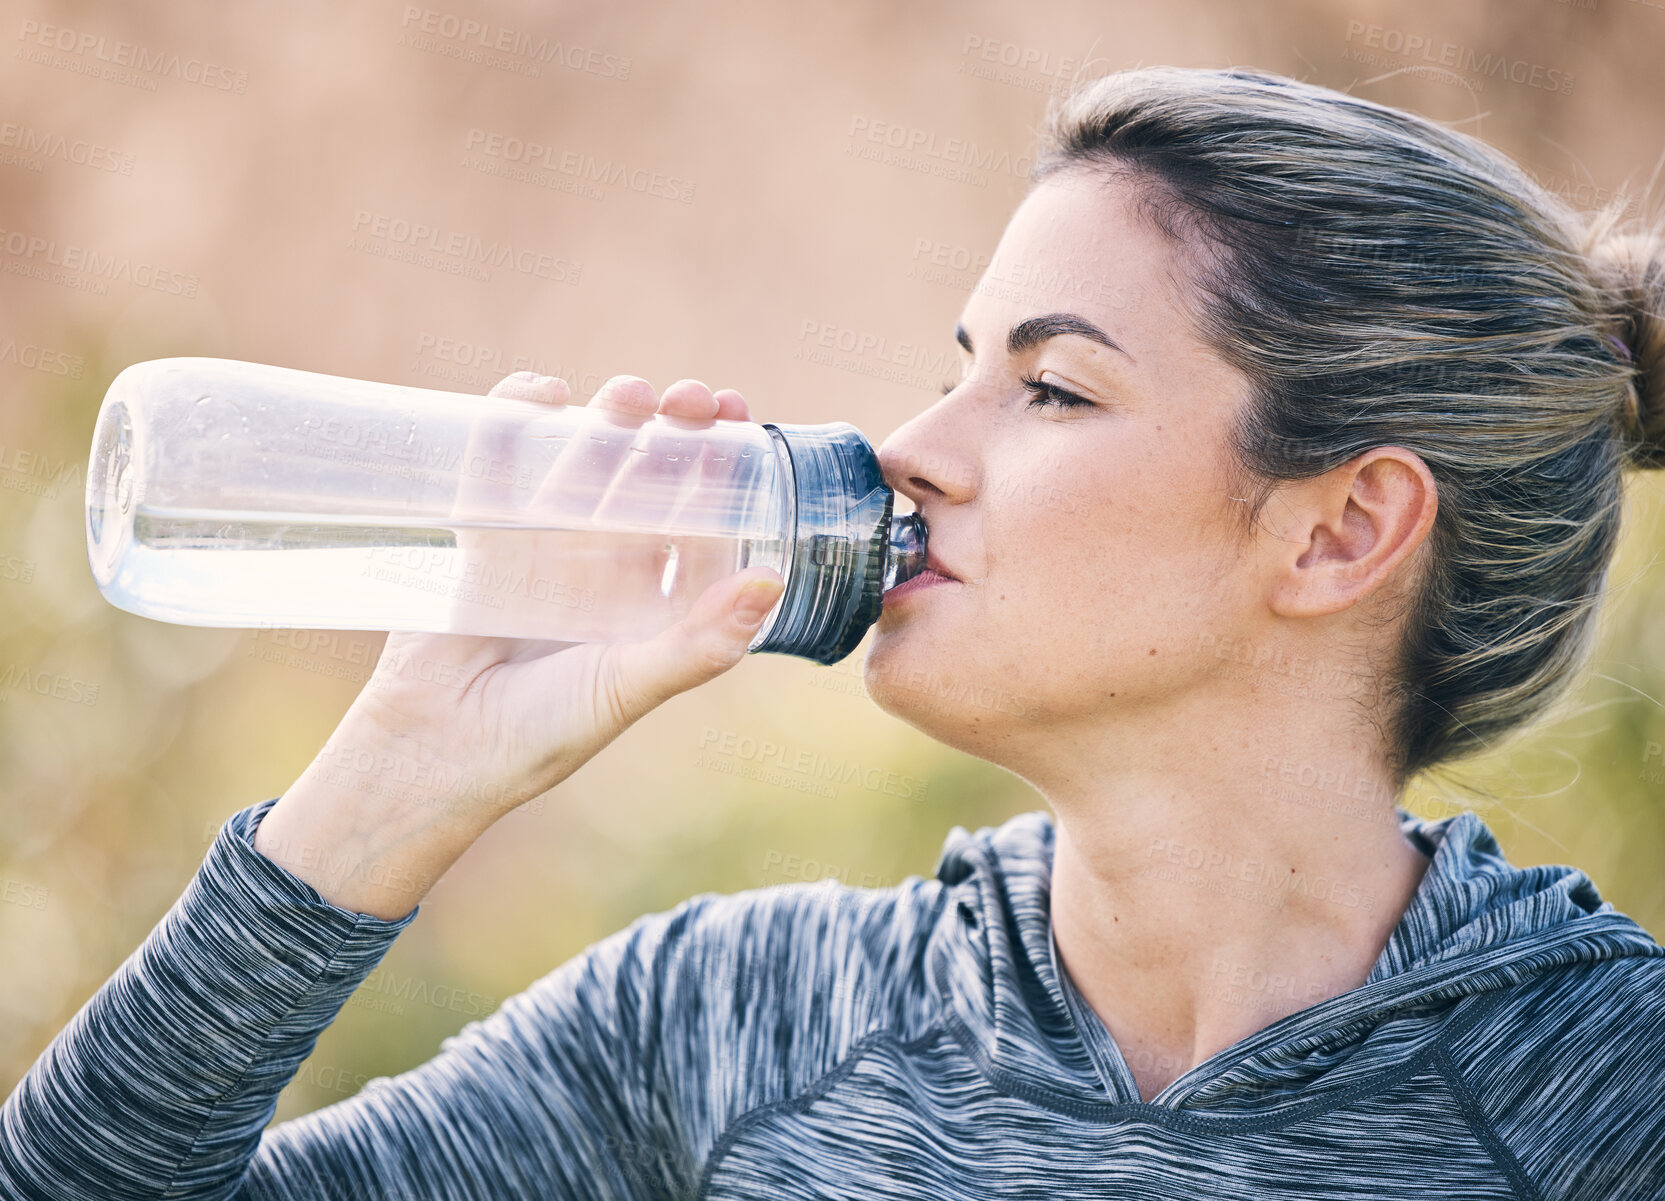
[223, 493]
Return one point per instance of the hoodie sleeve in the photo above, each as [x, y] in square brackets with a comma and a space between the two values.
[554, 1096]
[163, 1084]
[165, 1077]
[1571, 1083]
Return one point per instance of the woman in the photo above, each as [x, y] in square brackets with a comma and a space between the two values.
[1335, 405]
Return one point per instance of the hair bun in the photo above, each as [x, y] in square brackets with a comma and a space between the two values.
[1630, 270]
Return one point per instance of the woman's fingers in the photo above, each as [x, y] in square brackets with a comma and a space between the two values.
[731, 406]
[691, 398]
[688, 398]
[635, 463]
[529, 385]
[632, 394]
[627, 394]
[491, 453]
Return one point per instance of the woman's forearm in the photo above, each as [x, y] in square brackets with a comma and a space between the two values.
[375, 820]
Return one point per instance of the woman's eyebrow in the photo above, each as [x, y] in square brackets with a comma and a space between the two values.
[1032, 331]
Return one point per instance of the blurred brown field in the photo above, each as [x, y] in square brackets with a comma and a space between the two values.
[699, 190]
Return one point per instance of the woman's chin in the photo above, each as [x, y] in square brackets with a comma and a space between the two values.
[934, 691]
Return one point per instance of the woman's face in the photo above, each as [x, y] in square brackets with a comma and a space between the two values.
[1095, 545]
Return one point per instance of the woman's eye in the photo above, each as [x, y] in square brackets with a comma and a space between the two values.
[1050, 394]
[1047, 394]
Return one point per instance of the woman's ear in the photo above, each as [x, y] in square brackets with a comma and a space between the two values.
[1345, 534]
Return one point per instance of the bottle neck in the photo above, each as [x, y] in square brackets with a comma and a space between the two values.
[904, 549]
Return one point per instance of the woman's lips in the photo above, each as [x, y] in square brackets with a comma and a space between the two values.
[925, 579]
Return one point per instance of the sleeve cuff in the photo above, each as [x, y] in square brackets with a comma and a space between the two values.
[237, 835]
[295, 956]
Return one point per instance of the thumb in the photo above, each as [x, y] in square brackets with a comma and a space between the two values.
[700, 647]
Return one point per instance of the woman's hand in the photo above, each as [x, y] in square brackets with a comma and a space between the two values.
[527, 714]
[453, 731]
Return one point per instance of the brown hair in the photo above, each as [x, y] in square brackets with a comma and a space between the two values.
[1383, 280]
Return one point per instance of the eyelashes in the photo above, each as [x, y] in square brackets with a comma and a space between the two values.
[1045, 395]
[1051, 394]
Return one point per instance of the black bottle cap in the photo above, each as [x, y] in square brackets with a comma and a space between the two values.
[842, 560]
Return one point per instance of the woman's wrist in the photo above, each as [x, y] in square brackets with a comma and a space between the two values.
[373, 822]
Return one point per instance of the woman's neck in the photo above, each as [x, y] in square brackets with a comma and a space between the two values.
[1188, 928]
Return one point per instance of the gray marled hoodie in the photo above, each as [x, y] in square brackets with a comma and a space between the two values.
[910, 1042]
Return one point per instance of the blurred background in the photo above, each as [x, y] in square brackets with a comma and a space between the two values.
[707, 188]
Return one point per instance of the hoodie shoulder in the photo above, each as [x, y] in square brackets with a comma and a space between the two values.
[774, 988]
[1021, 844]
[1568, 1071]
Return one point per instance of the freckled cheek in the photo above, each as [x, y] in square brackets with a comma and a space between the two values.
[1046, 561]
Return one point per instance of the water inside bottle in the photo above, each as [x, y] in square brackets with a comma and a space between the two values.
[566, 583]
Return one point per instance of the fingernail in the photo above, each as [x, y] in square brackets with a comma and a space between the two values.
[755, 601]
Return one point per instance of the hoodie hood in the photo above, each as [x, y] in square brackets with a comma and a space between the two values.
[1476, 927]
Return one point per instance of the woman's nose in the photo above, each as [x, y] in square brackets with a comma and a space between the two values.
[921, 462]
